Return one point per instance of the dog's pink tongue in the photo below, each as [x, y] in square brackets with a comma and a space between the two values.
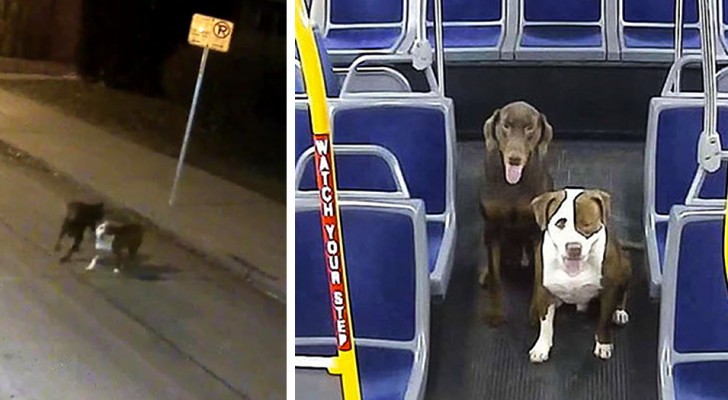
[572, 266]
[513, 173]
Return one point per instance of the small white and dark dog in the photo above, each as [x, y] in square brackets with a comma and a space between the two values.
[114, 238]
[580, 260]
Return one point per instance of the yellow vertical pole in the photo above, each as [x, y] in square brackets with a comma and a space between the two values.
[345, 363]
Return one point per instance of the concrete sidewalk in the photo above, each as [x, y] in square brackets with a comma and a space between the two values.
[235, 227]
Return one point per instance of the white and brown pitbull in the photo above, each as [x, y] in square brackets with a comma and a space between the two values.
[580, 260]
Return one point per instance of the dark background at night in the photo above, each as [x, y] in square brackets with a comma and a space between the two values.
[140, 47]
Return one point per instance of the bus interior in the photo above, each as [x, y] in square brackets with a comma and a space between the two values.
[634, 92]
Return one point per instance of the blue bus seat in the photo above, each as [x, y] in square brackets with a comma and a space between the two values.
[673, 129]
[472, 30]
[385, 250]
[561, 30]
[693, 346]
[647, 29]
[419, 133]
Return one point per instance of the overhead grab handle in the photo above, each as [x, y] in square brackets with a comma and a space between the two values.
[421, 49]
[709, 147]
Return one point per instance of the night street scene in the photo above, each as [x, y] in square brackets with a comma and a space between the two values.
[169, 294]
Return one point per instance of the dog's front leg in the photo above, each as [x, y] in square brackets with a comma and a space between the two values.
[494, 309]
[620, 316]
[75, 248]
[537, 295]
[64, 229]
[541, 349]
[604, 347]
[93, 262]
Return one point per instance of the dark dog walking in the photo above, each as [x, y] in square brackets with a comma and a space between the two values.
[115, 238]
[79, 217]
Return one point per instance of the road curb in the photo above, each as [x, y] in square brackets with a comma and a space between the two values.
[269, 286]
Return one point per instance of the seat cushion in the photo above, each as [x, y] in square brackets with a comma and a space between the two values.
[384, 373]
[701, 299]
[381, 269]
[362, 38]
[659, 38]
[467, 36]
[704, 380]
[435, 231]
[561, 36]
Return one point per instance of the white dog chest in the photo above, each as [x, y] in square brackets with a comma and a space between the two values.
[573, 290]
[103, 241]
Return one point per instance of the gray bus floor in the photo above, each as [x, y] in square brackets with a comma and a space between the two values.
[469, 360]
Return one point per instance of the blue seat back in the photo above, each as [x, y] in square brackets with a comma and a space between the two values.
[701, 297]
[300, 88]
[562, 10]
[678, 130]
[467, 10]
[347, 12]
[381, 260]
[363, 172]
[333, 86]
[658, 11]
[303, 130]
[416, 134]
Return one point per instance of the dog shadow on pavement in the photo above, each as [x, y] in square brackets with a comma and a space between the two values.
[141, 269]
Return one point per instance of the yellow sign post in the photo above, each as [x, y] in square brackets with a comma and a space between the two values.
[344, 363]
[208, 33]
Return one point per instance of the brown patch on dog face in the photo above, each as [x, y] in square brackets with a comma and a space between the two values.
[545, 206]
[592, 211]
[517, 130]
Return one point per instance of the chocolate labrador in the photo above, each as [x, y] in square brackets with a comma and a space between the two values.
[517, 139]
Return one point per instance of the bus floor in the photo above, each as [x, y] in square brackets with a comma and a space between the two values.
[469, 360]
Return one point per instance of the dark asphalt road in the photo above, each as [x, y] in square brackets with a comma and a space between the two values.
[177, 328]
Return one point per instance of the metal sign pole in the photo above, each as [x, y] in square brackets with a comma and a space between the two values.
[188, 129]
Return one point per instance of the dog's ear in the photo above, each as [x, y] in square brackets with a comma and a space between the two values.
[491, 143]
[547, 134]
[540, 206]
[604, 200]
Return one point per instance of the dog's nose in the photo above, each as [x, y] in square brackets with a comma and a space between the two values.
[514, 160]
[573, 250]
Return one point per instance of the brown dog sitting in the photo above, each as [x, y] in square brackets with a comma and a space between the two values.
[80, 216]
[580, 259]
[115, 238]
[517, 139]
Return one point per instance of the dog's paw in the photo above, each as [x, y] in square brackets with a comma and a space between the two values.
[64, 259]
[483, 277]
[603, 350]
[620, 317]
[117, 270]
[582, 308]
[90, 267]
[540, 351]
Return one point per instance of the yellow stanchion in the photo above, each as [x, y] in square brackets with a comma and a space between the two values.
[344, 364]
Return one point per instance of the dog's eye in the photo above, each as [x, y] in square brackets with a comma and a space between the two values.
[506, 126]
[561, 224]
